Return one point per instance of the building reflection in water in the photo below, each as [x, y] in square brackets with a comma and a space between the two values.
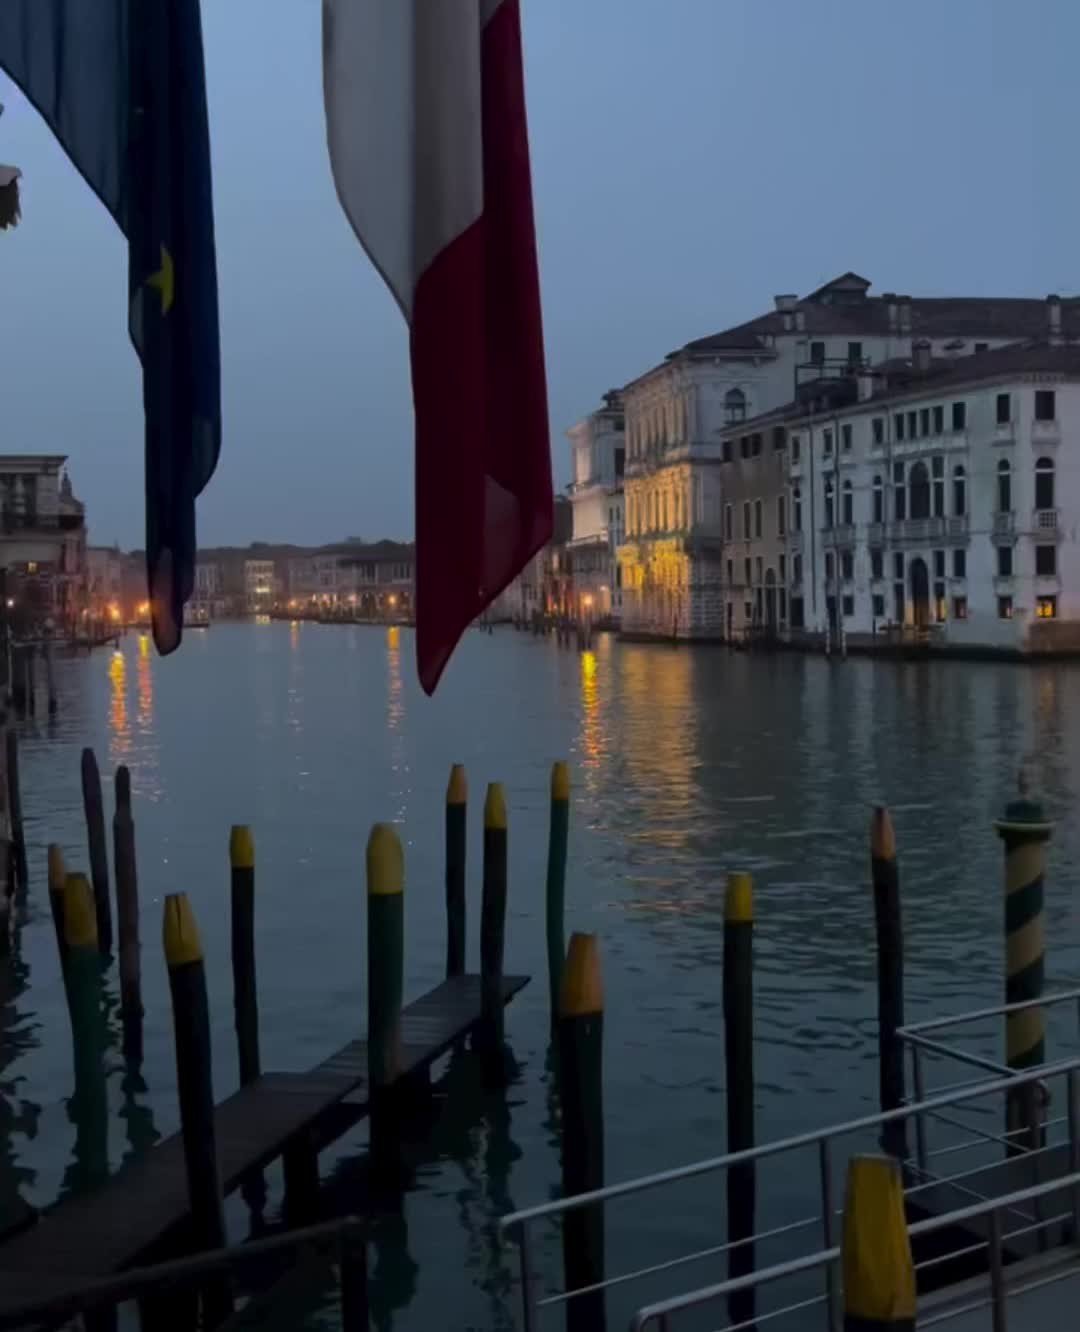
[592, 748]
[144, 678]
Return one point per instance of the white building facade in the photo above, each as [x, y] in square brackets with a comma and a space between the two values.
[597, 456]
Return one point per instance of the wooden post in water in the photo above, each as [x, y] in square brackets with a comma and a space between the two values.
[127, 916]
[28, 661]
[82, 986]
[889, 928]
[1025, 832]
[556, 882]
[191, 1022]
[99, 857]
[457, 796]
[18, 680]
[386, 962]
[245, 992]
[57, 877]
[879, 1275]
[15, 812]
[739, 1069]
[490, 1035]
[580, 1043]
[50, 679]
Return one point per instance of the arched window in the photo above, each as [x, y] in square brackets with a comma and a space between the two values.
[848, 504]
[919, 482]
[879, 501]
[829, 502]
[1044, 483]
[959, 490]
[734, 405]
[1004, 486]
[796, 509]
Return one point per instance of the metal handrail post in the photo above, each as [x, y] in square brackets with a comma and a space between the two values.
[997, 1275]
[920, 1117]
[1072, 1092]
[825, 1171]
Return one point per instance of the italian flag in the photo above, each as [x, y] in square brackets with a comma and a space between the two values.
[425, 114]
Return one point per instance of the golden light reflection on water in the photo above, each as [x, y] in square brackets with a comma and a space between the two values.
[592, 748]
[395, 712]
[294, 635]
[144, 680]
[120, 734]
[658, 740]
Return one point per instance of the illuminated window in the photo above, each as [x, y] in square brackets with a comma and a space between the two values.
[1046, 608]
[1005, 608]
[31, 567]
[959, 608]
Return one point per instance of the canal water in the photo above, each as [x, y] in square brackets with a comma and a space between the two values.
[686, 763]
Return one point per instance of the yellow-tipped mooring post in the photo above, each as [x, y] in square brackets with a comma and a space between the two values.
[82, 984]
[386, 943]
[890, 977]
[57, 876]
[490, 1035]
[191, 1022]
[245, 991]
[738, 986]
[457, 799]
[1025, 832]
[580, 1038]
[879, 1275]
[99, 857]
[127, 916]
[558, 832]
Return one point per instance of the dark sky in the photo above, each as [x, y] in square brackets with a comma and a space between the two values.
[691, 158]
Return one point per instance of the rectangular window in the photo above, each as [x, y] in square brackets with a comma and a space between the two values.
[899, 503]
[877, 563]
[827, 442]
[898, 425]
[781, 516]
[778, 438]
[1045, 405]
[939, 420]
[744, 446]
[959, 416]
[1003, 409]
[912, 424]
[879, 501]
[1004, 608]
[755, 446]
[783, 603]
[847, 565]
[794, 448]
[1046, 561]
[898, 566]
[783, 568]
[939, 602]
[959, 608]
[848, 605]
[1004, 561]
[748, 611]
[760, 570]
[845, 438]
[878, 606]
[898, 603]
[924, 420]
[729, 523]
[796, 510]
[879, 429]
[959, 564]
[854, 353]
[817, 353]
[746, 520]
[747, 578]
[796, 568]
[726, 451]
[939, 564]
[757, 518]
[828, 564]
[1046, 608]
[730, 572]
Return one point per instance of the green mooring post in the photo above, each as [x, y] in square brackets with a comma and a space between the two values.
[245, 991]
[57, 877]
[191, 1022]
[493, 925]
[580, 1038]
[99, 857]
[1025, 832]
[556, 881]
[879, 1276]
[457, 797]
[18, 839]
[889, 928]
[127, 916]
[82, 985]
[738, 987]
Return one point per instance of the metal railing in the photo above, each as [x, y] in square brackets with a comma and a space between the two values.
[520, 1226]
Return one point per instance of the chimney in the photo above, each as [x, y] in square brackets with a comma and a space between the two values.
[784, 303]
[920, 354]
[800, 321]
[905, 314]
[1053, 319]
[890, 304]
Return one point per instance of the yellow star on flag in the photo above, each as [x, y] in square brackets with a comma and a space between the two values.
[164, 280]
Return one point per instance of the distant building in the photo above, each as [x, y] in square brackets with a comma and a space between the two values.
[42, 540]
[259, 589]
[597, 453]
[106, 579]
[208, 599]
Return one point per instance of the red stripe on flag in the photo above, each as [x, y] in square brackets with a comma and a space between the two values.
[483, 453]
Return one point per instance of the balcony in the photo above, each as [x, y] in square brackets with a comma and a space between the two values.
[842, 535]
[1044, 524]
[875, 534]
[1004, 524]
[957, 526]
[917, 529]
[795, 542]
[1046, 432]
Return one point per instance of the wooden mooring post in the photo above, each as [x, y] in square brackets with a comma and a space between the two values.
[245, 990]
[93, 806]
[491, 1033]
[580, 1039]
[386, 964]
[879, 1274]
[555, 896]
[191, 1022]
[82, 987]
[50, 677]
[57, 878]
[890, 977]
[457, 797]
[15, 810]
[127, 916]
[738, 986]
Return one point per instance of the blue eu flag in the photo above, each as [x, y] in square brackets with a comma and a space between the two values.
[121, 84]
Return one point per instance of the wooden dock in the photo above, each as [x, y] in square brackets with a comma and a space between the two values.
[287, 1115]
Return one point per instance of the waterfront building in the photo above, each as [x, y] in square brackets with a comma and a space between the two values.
[597, 453]
[106, 568]
[207, 601]
[42, 540]
[259, 590]
[679, 412]
[933, 499]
